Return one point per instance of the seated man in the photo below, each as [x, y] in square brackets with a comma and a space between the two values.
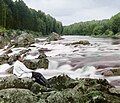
[21, 71]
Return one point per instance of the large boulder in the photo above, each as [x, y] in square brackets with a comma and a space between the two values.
[40, 62]
[14, 82]
[53, 37]
[24, 39]
[62, 82]
[14, 95]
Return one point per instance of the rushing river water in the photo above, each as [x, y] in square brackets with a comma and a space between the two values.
[78, 61]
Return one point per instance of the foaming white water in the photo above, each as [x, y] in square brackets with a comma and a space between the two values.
[4, 67]
[85, 72]
[65, 67]
[52, 65]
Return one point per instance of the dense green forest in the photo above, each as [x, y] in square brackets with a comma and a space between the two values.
[107, 27]
[16, 15]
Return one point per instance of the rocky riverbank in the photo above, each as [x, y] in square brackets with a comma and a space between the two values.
[63, 90]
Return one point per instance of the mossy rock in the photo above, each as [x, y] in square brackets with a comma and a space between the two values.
[24, 39]
[14, 82]
[13, 95]
[61, 82]
[40, 62]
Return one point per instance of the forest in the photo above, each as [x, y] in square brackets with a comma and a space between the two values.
[17, 15]
[107, 27]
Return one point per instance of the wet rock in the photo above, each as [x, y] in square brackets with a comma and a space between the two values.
[44, 50]
[10, 70]
[84, 42]
[115, 90]
[53, 37]
[62, 82]
[31, 64]
[24, 40]
[41, 62]
[12, 59]
[17, 96]
[116, 72]
[116, 42]
[107, 73]
[3, 59]
[14, 82]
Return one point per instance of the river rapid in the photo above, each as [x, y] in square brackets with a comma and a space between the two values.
[77, 61]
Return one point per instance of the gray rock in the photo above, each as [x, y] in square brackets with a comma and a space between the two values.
[53, 37]
[84, 42]
[24, 40]
[41, 62]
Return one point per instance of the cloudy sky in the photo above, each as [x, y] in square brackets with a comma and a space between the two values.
[71, 11]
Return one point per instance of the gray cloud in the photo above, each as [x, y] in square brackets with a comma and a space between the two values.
[69, 11]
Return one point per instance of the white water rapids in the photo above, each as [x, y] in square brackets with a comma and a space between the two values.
[63, 57]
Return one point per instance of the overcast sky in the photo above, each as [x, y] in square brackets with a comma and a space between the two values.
[71, 11]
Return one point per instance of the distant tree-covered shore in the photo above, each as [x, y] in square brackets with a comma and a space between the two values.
[108, 27]
[17, 15]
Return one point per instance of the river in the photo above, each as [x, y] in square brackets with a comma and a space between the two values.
[78, 61]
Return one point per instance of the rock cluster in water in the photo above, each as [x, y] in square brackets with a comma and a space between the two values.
[40, 62]
[84, 42]
[53, 37]
[63, 90]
